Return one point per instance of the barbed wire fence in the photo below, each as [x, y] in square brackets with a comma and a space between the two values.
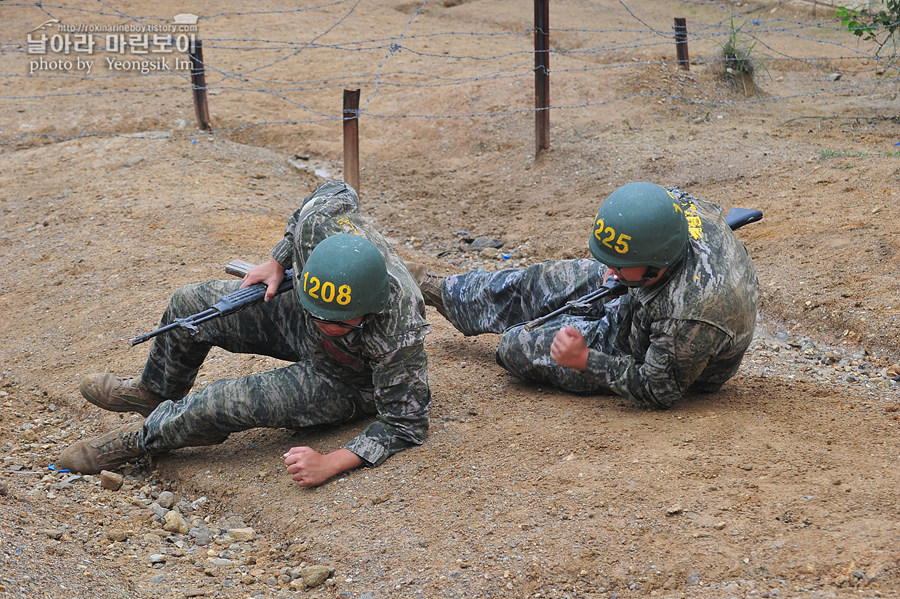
[146, 56]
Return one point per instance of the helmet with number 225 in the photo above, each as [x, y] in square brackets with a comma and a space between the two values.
[639, 224]
[343, 278]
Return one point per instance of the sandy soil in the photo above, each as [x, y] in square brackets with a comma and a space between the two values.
[785, 484]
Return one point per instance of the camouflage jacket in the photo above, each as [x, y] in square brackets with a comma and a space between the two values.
[388, 354]
[690, 330]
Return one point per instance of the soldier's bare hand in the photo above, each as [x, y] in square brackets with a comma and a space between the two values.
[309, 468]
[569, 349]
[271, 273]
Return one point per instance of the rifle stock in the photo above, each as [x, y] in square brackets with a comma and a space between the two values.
[736, 218]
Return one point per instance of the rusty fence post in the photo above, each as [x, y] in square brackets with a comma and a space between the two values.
[351, 138]
[198, 85]
[541, 76]
[681, 44]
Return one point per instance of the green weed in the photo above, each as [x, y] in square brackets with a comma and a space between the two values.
[739, 66]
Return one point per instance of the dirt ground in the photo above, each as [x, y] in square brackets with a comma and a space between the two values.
[784, 484]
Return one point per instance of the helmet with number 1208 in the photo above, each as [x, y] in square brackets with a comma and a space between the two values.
[639, 224]
[343, 278]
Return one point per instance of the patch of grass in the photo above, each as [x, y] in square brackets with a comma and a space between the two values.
[739, 66]
[827, 154]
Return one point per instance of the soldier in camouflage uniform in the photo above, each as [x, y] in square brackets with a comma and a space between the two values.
[684, 324]
[353, 329]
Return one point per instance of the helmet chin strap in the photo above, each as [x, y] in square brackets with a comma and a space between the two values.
[651, 274]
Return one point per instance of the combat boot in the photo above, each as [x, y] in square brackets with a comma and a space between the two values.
[430, 285]
[118, 394]
[104, 452]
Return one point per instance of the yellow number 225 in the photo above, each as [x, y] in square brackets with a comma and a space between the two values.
[607, 235]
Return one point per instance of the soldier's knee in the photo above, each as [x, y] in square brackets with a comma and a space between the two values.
[193, 298]
[186, 295]
[510, 354]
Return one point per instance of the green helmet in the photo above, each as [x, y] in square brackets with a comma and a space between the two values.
[344, 277]
[639, 224]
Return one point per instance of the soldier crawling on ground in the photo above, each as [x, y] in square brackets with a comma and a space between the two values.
[684, 324]
[354, 333]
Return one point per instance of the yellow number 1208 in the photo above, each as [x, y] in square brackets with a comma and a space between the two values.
[316, 289]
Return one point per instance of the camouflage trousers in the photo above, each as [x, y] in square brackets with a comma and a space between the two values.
[305, 393]
[502, 302]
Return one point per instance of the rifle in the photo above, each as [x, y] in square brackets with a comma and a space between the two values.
[736, 218]
[227, 304]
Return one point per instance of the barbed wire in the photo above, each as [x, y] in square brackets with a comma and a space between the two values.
[488, 58]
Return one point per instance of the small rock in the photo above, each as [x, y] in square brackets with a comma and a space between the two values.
[221, 562]
[158, 558]
[314, 576]
[719, 525]
[116, 534]
[674, 510]
[201, 535]
[834, 77]
[175, 523]
[111, 480]
[3, 488]
[480, 243]
[54, 533]
[158, 510]
[166, 499]
[242, 534]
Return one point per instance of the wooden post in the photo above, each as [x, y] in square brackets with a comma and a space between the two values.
[681, 44]
[198, 85]
[541, 76]
[351, 138]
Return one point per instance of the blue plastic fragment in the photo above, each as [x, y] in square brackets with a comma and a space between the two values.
[897, 144]
[193, 141]
[53, 467]
[463, 233]
[507, 256]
